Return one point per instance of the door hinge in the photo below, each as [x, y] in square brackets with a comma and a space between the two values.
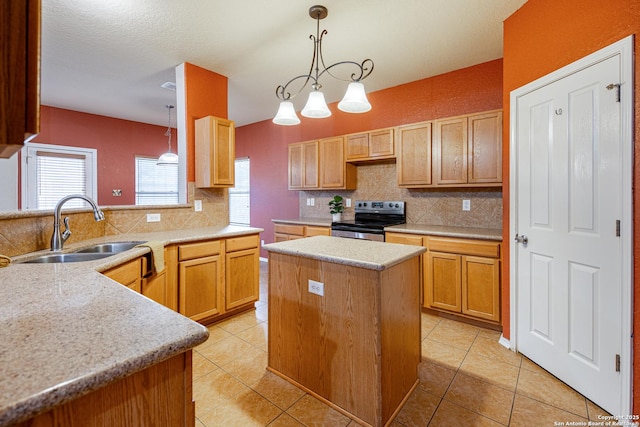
[617, 228]
[615, 86]
[617, 363]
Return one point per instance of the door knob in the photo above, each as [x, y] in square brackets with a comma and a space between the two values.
[522, 239]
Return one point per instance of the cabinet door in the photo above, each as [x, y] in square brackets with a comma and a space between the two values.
[414, 155]
[128, 274]
[442, 287]
[311, 165]
[357, 146]
[450, 151]
[215, 152]
[296, 166]
[155, 287]
[485, 148]
[20, 68]
[381, 144]
[242, 278]
[333, 172]
[481, 287]
[199, 281]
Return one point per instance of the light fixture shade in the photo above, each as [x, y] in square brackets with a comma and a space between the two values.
[167, 158]
[355, 100]
[286, 115]
[316, 107]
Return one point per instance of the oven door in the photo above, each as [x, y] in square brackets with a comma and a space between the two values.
[359, 233]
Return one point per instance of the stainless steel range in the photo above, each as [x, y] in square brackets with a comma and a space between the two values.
[370, 219]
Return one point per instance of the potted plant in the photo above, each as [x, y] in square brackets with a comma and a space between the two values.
[336, 208]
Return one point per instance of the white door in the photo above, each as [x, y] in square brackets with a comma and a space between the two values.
[569, 203]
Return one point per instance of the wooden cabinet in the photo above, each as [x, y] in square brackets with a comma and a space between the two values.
[467, 150]
[215, 278]
[374, 145]
[463, 276]
[303, 165]
[414, 155]
[215, 152]
[298, 231]
[20, 67]
[334, 172]
[128, 274]
[200, 280]
[242, 266]
[316, 165]
[155, 288]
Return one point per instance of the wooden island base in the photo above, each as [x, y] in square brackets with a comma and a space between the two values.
[356, 348]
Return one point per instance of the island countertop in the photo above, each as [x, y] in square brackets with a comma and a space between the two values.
[67, 330]
[355, 252]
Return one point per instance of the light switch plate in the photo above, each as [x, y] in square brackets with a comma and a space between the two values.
[197, 205]
[348, 203]
[153, 217]
[466, 205]
[316, 287]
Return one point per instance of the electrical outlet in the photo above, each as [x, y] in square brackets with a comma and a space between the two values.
[313, 201]
[197, 205]
[153, 217]
[316, 287]
[466, 205]
[347, 203]
[308, 201]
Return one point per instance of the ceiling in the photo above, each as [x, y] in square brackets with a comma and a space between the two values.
[109, 57]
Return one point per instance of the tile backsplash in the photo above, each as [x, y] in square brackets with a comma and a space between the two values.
[423, 206]
[25, 232]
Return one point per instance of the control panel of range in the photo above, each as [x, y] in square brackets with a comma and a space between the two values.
[377, 206]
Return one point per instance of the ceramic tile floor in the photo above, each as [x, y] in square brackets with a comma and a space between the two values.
[466, 379]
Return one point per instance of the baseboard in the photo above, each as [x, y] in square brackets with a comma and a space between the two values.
[264, 259]
[504, 342]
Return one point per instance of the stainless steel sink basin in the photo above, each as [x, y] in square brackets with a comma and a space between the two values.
[113, 247]
[70, 257]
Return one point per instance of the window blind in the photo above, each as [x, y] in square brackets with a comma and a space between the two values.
[155, 185]
[240, 196]
[58, 175]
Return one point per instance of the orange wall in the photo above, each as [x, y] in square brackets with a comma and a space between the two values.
[545, 35]
[205, 95]
[117, 141]
[469, 90]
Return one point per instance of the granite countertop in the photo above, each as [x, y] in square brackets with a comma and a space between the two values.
[66, 330]
[352, 252]
[320, 222]
[447, 231]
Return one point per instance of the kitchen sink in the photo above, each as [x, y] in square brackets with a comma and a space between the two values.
[113, 247]
[70, 257]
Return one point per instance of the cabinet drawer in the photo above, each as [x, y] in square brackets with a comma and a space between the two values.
[405, 239]
[240, 243]
[464, 247]
[198, 250]
[317, 231]
[297, 230]
[126, 273]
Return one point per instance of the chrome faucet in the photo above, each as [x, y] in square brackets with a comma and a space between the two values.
[57, 238]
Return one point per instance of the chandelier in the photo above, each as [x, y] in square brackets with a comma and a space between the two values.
[168, 158]
[355, 99]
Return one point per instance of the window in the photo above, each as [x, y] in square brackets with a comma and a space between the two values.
[239, 196]
[54, 171]
[155, 185]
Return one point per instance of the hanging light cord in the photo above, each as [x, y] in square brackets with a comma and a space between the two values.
[168, 132]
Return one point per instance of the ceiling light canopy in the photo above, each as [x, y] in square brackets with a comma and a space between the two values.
[354, 101]
[168, 158]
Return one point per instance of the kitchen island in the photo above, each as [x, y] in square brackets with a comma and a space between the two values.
[77, 348]
[344, 322]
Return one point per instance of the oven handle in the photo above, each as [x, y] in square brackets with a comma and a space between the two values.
[379, 237]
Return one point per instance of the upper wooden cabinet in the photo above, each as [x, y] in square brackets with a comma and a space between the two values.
[467, 150]
[215, 152]
[374, 145]
[303, 165]
[414, 155]
[319, 165]
[20, 68]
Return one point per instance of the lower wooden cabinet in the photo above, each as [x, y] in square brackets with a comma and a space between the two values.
[128, 274]
[242, 266]
[460, 276]
[285, 232]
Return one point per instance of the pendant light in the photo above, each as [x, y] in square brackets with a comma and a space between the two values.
[168, 158]
[355, 99]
